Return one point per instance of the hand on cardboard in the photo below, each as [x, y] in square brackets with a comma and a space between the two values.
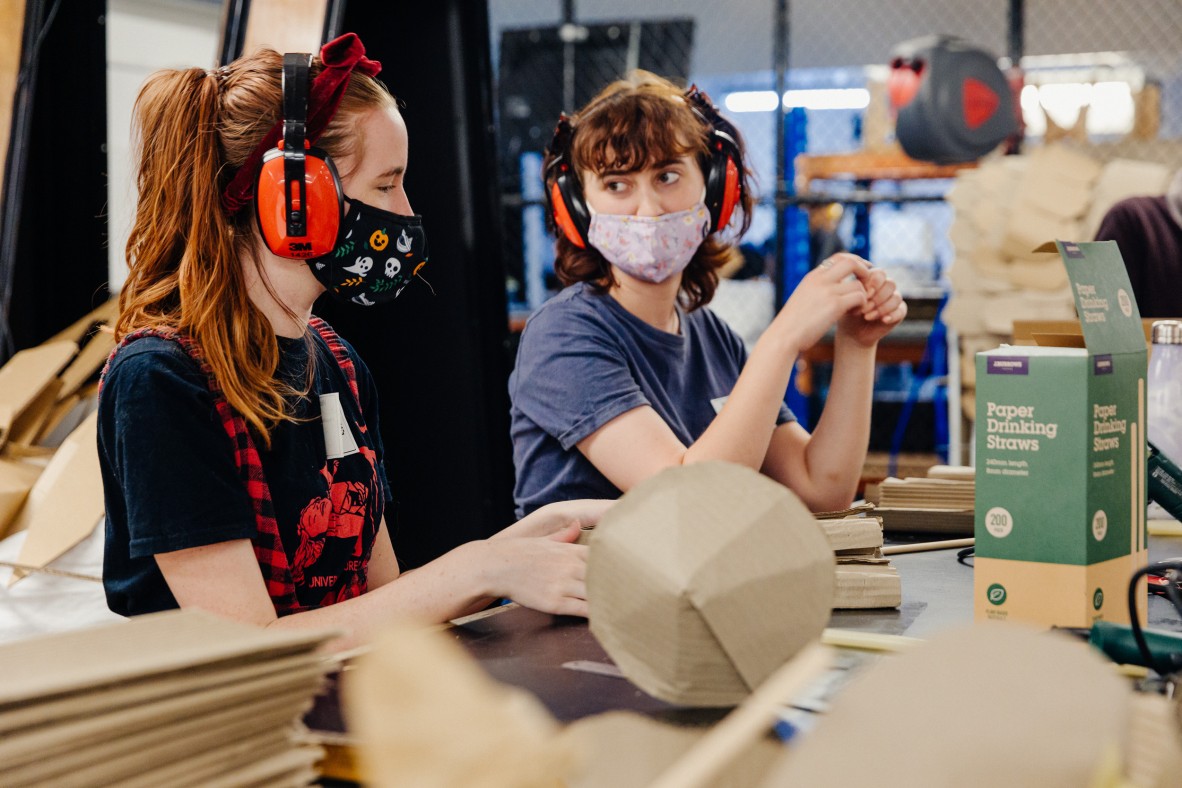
[546, 573]
[884, 308]
[829, 291]
[557, 517]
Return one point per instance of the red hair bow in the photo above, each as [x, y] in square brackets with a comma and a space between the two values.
[340, 57]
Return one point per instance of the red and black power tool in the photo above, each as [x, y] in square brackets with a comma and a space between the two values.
[952, 103]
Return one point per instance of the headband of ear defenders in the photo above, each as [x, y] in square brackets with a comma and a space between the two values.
[340, 57]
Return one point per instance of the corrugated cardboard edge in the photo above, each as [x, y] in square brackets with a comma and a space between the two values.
[25, 378]
[66, 501]
[80, 328]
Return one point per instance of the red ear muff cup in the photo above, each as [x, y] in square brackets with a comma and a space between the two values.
[324, 209]
[730, 194]
[562, 217]
[724, 183]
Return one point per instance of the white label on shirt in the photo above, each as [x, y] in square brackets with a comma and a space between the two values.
[338, 438]
[717, 404]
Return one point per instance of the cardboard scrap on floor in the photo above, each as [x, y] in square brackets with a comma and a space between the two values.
[704, 579]
[159, 700]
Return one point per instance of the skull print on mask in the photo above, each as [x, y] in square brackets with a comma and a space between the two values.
[362, 267]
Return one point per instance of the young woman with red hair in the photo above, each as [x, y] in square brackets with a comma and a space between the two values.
[238, 434]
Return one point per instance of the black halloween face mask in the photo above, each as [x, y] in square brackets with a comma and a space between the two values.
[376, 255]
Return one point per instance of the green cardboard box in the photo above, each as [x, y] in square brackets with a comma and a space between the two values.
[1061, 457]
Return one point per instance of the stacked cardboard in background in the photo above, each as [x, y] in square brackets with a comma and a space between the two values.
[1005, 209]
[864, 576]
[926, 505]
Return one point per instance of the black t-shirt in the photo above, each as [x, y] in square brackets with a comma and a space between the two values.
[170, 481]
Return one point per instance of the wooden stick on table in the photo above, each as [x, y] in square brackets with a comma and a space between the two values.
[919, 547]
[751, 719]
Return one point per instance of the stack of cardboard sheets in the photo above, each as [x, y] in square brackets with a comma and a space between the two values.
[919, 505]
[170, 699]
[864, 576]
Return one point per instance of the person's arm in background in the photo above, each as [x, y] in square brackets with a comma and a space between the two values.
[1123, 224]
[866, 306]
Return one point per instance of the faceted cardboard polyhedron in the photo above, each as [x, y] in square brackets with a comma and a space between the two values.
[704, 579]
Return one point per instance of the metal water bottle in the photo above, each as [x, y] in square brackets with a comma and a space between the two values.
[1164, 393]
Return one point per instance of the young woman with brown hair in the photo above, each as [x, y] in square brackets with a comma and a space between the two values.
[238, 434]
[625, 372]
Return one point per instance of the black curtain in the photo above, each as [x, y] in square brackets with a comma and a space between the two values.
[55, 222]
[440, 360]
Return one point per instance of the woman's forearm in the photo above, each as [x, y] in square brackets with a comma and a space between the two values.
[836, 450]
[741, 431]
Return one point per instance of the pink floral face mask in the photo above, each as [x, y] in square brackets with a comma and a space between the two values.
[651, 248]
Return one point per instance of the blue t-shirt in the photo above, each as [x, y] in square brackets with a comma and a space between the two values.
[170, 481]
[583, 360]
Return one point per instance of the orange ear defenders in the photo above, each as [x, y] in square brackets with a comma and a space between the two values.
[564, 197]
[299, 203]
[568, 210]
[724, 174]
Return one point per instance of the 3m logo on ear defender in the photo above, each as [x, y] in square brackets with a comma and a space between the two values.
[300, 246]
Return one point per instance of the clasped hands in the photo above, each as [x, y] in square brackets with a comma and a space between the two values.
[848, 291]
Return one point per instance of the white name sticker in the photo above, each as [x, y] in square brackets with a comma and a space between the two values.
[338, 438]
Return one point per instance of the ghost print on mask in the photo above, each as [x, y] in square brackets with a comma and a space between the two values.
[361, 266]
[363, 244]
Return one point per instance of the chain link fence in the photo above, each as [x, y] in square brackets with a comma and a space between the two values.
[1103, 76]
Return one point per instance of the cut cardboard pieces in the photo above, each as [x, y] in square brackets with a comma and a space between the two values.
[16, 479]
[29, 385]
[423, 712]
[975, 707]
[704, 579]
[66, 501]
[45, 392]
[628, 750]
[1061, 457]
[862, 586]
[41, 385]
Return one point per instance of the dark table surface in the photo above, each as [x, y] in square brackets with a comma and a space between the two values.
[540, 652]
